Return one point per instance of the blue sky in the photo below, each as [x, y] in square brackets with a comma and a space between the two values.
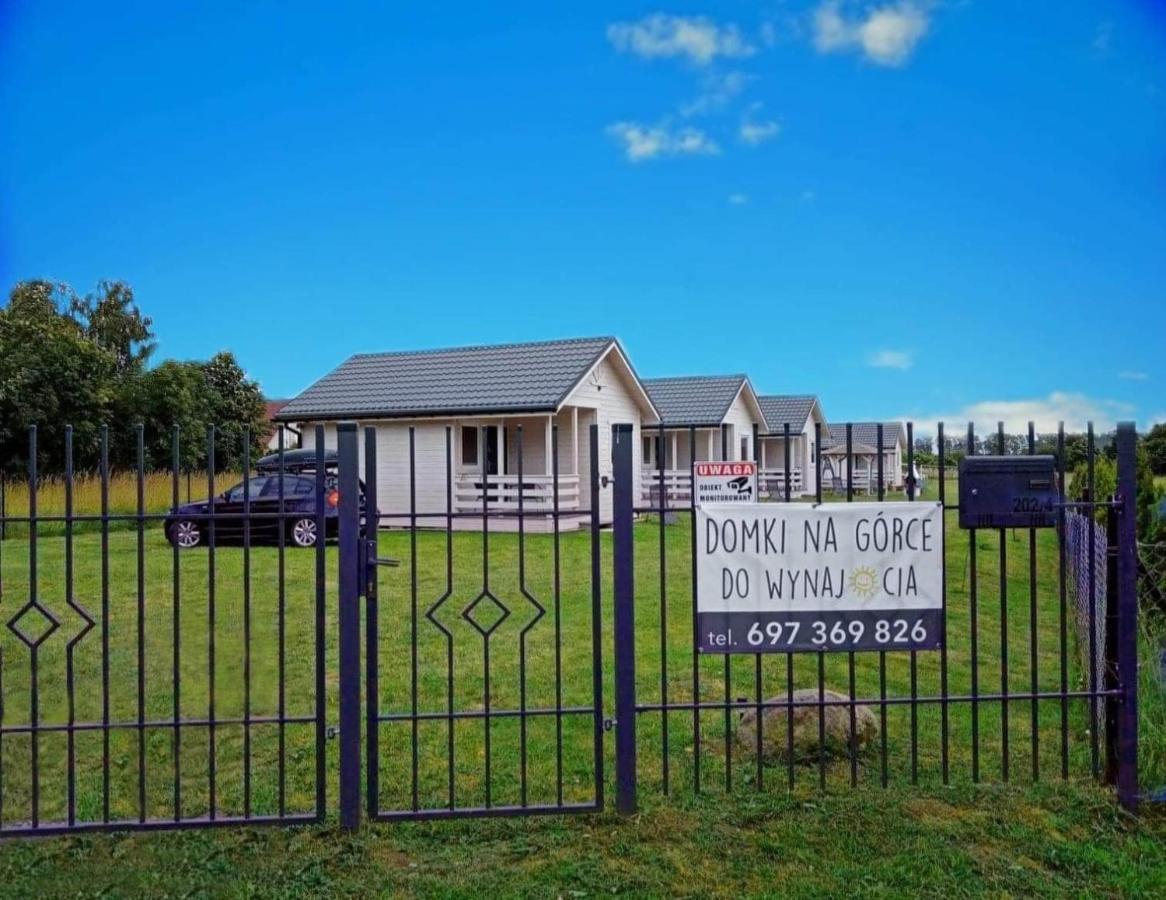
[909, 208]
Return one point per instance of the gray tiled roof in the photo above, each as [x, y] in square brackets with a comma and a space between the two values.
[694, 400]
[500, 378]
[794, 409]
[865, 433]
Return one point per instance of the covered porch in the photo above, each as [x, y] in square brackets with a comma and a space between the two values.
[668, 457]
[512, 464]
[771, 466]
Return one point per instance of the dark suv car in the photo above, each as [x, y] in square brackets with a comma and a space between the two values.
[187, 526]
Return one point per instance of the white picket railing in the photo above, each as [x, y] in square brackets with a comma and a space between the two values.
[864, 481]
[771, 483]
[502, 492]
[677, 487]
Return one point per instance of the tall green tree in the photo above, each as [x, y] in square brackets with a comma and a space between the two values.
[67, 360]
[112, 320]
[236, 403]
[1155, 444]
[172, 394]
[51, 375]
[1149, 527]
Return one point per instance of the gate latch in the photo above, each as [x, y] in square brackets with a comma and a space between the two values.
[371, 558]
[609, 724]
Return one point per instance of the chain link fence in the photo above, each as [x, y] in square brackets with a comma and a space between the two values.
[1152, 577]
[1086, 547]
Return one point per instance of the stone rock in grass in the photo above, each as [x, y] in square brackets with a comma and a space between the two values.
[774, 737]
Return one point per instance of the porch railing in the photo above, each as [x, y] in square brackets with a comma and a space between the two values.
[502, 492]
[864, 481]
[771, 482]
[677, 486]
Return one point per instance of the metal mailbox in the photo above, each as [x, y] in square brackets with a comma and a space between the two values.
[1008, 492]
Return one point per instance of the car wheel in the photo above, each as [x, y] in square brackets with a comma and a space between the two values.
[303, 532]
[185, 534]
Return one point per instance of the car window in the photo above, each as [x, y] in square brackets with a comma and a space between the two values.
[299, 487]
[235, 494]
[292, 487]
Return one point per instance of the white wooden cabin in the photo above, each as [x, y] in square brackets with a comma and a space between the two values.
[802, 412]
[864, 457]
[702, 418]
[470, 410]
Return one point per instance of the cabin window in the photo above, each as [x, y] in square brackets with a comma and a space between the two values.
[469, 445]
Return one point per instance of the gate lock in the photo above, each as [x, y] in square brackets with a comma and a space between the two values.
[369, 561]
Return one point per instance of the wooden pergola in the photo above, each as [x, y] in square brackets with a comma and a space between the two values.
[864, 475]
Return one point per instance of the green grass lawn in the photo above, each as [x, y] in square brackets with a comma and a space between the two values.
[1049, 841]
[904, 838]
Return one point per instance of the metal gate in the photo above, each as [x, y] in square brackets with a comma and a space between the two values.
[475, 704]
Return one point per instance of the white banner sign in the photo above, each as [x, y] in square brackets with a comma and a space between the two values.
[838, 576]
[726, 482]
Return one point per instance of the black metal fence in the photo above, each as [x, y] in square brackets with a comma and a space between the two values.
[972, 710]
[145, 687]
[155, 677]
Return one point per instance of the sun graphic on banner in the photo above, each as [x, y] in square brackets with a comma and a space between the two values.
[864, 581]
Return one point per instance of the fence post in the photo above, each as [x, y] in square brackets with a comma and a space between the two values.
[1127, 616]
[624, 622]
[1109, 676]
[349, 621]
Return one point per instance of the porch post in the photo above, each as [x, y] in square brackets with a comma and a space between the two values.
[675, 458]
[711, 444]
[499, 448]
[761, 441]
[575, 439]
[550, 466]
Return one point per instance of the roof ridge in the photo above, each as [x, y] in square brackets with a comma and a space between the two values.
[505, 346]
[736, 376]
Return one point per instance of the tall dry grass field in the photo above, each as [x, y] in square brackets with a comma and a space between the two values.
[157, 490]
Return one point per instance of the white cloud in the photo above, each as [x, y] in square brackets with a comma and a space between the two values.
[696, 38]
[887, 35]
[891, 359]
[1075, 410]
[738, 199]
[1131, 375]
[644, 142]
[755, 133]
[717, 90]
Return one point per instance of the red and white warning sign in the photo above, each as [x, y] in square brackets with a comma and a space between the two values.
[726, 482]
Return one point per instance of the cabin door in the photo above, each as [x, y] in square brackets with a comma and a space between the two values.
[490, 451]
